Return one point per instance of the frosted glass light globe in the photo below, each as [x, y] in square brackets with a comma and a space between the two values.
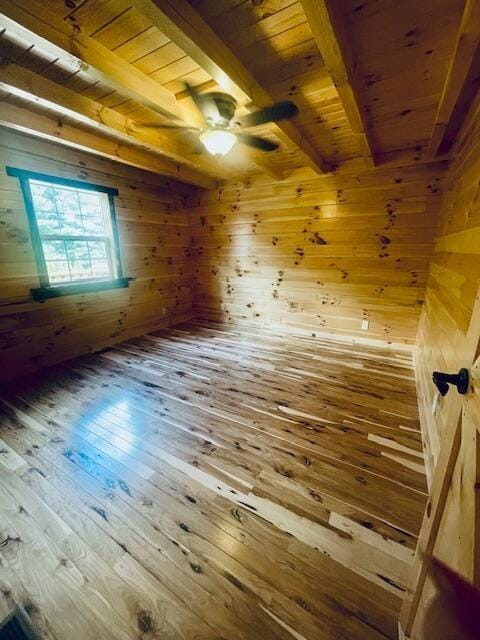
[218, 143]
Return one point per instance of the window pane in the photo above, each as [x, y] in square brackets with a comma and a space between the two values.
[90, 204]
[58, 271]
[94, 225]
[54, 250]
[43, 197]
[92, 213]
[100, 268]
[70, 224]
[97, 249]
[48, 223]
[77, 250]
[68, 209]
[81, 270]
[66, 201]
[78, 259]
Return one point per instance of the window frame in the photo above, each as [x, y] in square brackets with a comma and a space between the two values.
[47, 289]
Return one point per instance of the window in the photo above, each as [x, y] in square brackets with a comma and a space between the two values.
[73, 232]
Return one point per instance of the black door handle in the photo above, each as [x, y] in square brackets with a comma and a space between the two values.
[459, 380]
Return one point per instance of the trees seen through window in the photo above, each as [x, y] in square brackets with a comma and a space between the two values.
[75, 232]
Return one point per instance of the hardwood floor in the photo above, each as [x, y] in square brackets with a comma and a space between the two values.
[211, 483]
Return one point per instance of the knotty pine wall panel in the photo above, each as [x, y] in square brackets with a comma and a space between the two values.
[452, 290]
[155, 246]
[453, 280]
[319, 253]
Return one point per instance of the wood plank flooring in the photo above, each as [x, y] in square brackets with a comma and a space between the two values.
[212, 483]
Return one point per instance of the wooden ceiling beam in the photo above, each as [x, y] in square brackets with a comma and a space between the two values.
[47, 128]
[332, 41]
[41, 92]
[60, 38]
[184, 26]
[262, 160]
[466, 49]
[37, 90]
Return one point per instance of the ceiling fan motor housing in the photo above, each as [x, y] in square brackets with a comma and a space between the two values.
[226, 106]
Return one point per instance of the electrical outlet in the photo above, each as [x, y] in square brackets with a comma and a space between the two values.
[365, 324]
[164, 311]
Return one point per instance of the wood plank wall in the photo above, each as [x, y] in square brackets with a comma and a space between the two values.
[154, 238]
[319, 253]
[453, 280]
[452, 287]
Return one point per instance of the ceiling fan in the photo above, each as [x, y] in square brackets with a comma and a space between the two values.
[223, 129]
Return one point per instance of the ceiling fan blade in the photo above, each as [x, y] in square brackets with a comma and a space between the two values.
[278, 111]
[204, 103]
[168, 126]
[256, 142]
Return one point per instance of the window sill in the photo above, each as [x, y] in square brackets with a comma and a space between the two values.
[80, 287]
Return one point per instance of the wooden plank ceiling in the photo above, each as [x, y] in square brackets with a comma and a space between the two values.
[368, 77]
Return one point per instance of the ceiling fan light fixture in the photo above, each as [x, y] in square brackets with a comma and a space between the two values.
[218, 143]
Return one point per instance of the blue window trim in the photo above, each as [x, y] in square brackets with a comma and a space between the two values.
[55, 291]
[66, 182]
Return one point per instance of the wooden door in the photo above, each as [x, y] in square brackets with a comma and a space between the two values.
[451, 525]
